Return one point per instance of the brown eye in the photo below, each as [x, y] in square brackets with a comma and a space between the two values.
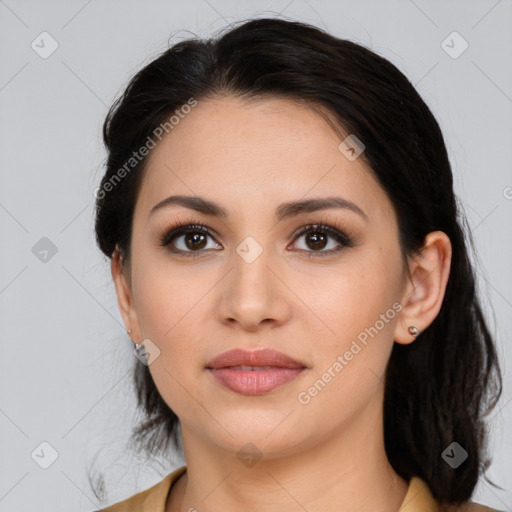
[187, 239]
[195, 240]
[316, 240]
[317, 237]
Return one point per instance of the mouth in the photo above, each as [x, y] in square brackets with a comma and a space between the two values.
[254, 373]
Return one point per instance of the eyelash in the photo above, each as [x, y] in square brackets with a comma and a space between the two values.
[183, 227]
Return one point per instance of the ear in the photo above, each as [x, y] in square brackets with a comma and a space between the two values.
[425, 286]
[120, 270]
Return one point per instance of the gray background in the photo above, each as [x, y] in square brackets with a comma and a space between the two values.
[65, 367]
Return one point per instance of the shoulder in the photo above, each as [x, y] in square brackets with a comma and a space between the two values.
[419, 498]
[150, 500]
[471, 506]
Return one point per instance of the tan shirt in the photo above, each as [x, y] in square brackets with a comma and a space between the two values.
[417, 499]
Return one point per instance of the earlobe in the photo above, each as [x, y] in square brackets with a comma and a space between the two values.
[425, 289]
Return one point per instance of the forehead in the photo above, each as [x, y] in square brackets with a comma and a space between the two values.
[249, 155]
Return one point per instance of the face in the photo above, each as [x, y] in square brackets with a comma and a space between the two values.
[327, 297]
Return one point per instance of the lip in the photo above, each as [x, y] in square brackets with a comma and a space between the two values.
[261, 357]
[274, 369]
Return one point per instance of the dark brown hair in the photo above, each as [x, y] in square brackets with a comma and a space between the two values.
[439, 388]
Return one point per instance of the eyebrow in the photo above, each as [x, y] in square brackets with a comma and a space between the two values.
[284, 211]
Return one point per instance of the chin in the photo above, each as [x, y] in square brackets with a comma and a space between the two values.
[267, 432]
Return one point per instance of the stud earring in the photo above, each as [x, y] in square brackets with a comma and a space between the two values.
[138, 348]
[414, 330]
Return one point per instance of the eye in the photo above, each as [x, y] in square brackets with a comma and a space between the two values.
[187, 239]
[317, 238]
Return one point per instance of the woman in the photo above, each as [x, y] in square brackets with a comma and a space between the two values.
[289, 260]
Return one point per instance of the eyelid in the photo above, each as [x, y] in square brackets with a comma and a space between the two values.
[183, 227]
[330, 229]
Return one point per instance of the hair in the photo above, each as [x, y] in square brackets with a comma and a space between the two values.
[437, 389]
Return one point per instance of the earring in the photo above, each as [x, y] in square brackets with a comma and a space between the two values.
[414, 330]
[138, 348]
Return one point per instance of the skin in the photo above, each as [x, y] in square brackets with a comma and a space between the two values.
[326, 455]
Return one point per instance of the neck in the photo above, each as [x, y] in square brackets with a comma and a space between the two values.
[345, 472]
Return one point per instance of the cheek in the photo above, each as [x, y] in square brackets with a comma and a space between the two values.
[163, 296]
[169, 306]
[350, 365]
[169, 319]
[354, 298]
[360, 309]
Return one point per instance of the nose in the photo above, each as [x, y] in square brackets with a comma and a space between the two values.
[253, 295]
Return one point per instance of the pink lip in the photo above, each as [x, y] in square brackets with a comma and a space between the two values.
[254, 382]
